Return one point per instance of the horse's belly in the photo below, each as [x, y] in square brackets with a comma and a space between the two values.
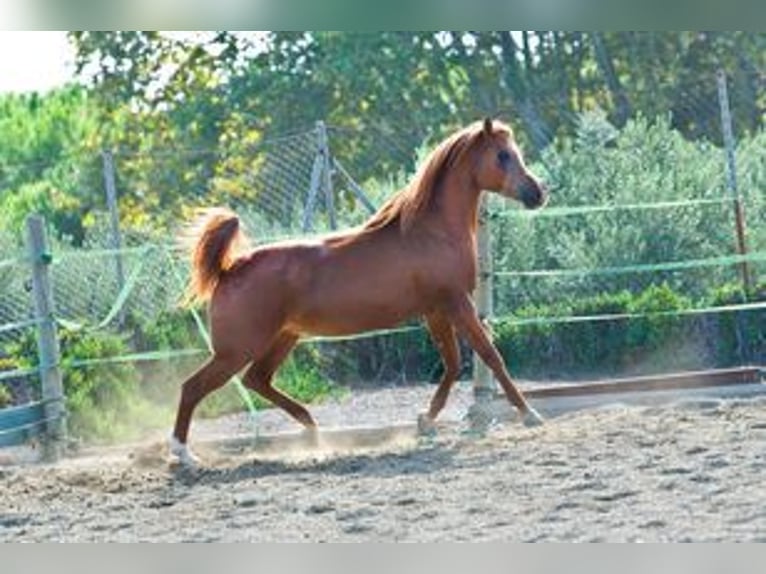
[349, 293]
[350, 319]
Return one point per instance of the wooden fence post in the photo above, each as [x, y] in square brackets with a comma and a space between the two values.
[47, 342]
[731, 179]
[483, 380]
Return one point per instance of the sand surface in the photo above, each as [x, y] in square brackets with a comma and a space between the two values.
[673, 473]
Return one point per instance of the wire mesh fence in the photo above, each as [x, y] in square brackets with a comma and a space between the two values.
[631, 208]
[19, 382]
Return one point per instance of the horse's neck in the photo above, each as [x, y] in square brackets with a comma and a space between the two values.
[458, 205]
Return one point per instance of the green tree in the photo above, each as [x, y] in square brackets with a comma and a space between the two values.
[47, 160]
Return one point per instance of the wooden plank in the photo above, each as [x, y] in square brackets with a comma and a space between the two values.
[676, 381]
[550, 400]
[17, 424]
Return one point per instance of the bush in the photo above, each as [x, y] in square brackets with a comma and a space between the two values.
[302, 376]
[645, 162]
[171, 330]
[103, 401]
[605, 347]
[740, 336]
[650, 334]
[5, 396]
[103, 398]
[394, 357]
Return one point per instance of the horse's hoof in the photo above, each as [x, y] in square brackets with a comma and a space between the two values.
[310, 436]
[531, 418]
[426, 425]
[183, 454]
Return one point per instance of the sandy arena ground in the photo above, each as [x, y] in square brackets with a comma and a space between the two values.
[674, 473]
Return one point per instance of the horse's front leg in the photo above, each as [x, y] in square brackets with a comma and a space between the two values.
[464, 317]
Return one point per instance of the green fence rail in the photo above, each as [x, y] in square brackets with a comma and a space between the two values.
[18, 423]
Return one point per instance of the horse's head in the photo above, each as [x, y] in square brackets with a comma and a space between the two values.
[500, 167]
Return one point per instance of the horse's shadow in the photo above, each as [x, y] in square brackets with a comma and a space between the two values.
[418, 460]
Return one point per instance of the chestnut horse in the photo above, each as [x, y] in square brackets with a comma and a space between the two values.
[416, 257]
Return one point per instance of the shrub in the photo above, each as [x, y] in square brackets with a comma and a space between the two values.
[645, 162]
[103, 401]
[303, 376]
[740, 336]
[552, 349]
[387, 357]
[5, 396]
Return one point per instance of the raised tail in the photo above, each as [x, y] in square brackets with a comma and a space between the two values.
[214, 239]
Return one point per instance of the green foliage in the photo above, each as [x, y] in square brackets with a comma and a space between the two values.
[303, 376]
[740, 336]
[392, 358]
[173, 329]
[170, 329]
[102, 396]
[645, 162]
[43, 198]
[5, 396]
[37, 132]
[652, 333]
[657, 343]
[46, 159]
[187, 113]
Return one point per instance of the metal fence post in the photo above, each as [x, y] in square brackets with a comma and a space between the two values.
[47, 342]
[114, 217]
[308, 212]
[324, 151]
[731, 179]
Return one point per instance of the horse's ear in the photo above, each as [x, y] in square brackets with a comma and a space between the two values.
[488, 126]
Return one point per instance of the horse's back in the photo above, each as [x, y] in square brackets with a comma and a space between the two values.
[342, 284]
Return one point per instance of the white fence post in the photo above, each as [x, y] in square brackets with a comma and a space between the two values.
[483, 381]
[47, 342]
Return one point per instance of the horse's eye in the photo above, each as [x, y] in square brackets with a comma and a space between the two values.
[504, 158]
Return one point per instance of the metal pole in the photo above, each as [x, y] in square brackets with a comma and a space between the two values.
[358, 191]
[731, 173]
[47, 342]
[308, 213]
[324, 150]
[114, 217]
[483, 381]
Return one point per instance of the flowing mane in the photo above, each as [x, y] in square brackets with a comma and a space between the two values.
[413, 200]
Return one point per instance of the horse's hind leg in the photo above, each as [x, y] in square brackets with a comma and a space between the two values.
[209, 377]
[259, 377]
[443, 335]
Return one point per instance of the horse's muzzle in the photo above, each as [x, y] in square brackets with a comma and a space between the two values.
[533, 194]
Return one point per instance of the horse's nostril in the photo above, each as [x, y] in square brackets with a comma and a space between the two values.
[532, 196]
